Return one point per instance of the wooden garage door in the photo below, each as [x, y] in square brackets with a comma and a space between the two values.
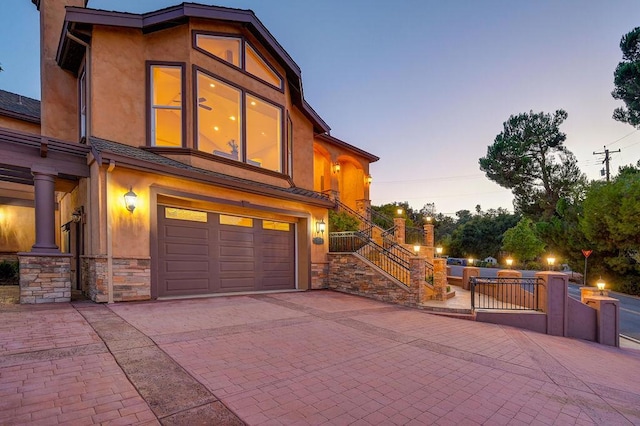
[204, 252]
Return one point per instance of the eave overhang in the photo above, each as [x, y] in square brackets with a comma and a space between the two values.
[79, 22]
[342, 144]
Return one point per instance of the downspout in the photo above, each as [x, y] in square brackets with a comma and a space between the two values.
[112, 165]
[87, 76]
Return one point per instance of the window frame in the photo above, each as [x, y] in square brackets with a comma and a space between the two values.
[243, 125]
[83, 108]
[243, 61]
[149, 103]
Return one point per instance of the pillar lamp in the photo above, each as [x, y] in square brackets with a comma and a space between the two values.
[130, 200]
[509, 262]
[399, 211]
[470, 261]
[428, 219]
[550, 261]
[439, 251]
[601, 285]
[416, 249]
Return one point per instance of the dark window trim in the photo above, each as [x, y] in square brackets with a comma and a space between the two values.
[81, 90]
[243, 41]
[243, 112]
[288, 160]
[183, 89]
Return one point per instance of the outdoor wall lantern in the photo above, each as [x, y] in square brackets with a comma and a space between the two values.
[130, 200]
[438, 251]
[416, 249]
[368, 179]
[550, 261]
[509, 262]
[336, 167]
[320, 228]
[601, 285]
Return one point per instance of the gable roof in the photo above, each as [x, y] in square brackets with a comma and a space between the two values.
[19, 107]
[342, 144]
[142, 159]
[79, 21]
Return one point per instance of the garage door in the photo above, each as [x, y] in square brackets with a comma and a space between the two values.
[204, 252]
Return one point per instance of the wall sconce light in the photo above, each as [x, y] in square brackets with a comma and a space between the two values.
[320, 228]
[77, 215]
[130, 200]
[509, 262]
[368, 179]
[439, 251]
[601, 285]
[550, 261]
[336, 167]
[416, 249]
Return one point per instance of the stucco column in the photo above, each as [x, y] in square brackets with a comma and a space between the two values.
[399, 223]
[429, 239]
[554, 301]
[440, 278]
[467, 273]
[44, 183]
[608, 318]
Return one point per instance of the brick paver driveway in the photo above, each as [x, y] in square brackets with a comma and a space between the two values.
[299, 358]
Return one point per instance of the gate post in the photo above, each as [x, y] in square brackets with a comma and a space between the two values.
[399, 223]
[554, 301]
[467, 273]
[440, 278]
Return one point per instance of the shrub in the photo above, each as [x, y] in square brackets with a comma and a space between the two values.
[8, 270]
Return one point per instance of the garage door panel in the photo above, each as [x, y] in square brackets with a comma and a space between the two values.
[276, 266]
[237, 284]
[231, 251]
[237, 266]
[187, 265]
[187, 285]
[187, 232]
[236, 237]
[179, 249]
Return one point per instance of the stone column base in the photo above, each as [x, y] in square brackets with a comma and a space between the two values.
[44, 278]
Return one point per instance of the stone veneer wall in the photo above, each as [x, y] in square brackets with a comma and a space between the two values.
[8, 256]
[319, 275]
[45, 279]
[131, 278]
[349, 273]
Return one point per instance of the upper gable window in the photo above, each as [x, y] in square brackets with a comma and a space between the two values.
[237, 52]
[166, 95]
[226, 48]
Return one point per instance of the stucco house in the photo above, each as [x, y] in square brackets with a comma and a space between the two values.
[172, 154]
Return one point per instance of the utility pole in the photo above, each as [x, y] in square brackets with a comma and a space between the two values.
[607, 157]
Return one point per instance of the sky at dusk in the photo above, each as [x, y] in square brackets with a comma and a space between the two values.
[425, 85]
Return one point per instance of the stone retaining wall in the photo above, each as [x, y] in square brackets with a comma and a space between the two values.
[349, 273]
[131, 278]
[319, 275]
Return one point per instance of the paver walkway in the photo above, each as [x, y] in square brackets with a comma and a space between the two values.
[299, 358]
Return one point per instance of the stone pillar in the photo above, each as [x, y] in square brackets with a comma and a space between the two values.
[554, 300]
[399, 223]
[467, 273]
[364, 208]
[607, 317]
[45, 206]
[45, 278]
[440, 278]
[417, 276]
[429, 239]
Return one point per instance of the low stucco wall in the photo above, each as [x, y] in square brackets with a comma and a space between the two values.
[582, 321]
[528, 320]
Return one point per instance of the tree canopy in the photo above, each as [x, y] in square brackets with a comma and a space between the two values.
[522, 242]
[626, 78]
[529, 157]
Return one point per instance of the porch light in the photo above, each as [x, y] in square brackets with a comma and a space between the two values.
[439, 251]
[336, 167]
[320, 226]
[130, 199]
[416, 249]
[550, 261]
[509, 262]
[601, 285]
[368, 179]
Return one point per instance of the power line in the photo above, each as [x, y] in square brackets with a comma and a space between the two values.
[625, 136]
